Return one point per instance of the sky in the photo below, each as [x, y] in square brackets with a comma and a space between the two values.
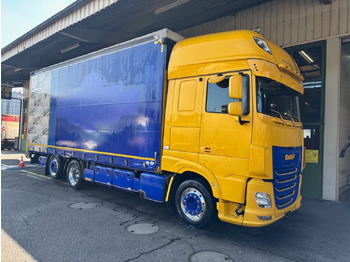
[20, 16]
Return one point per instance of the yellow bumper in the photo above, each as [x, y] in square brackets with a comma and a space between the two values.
[252, 212]
[251, 216]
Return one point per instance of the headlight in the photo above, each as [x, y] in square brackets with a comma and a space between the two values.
[263, 200]
[262, 44]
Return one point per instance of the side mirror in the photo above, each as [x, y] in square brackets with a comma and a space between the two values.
[235, 108]
[236, 87]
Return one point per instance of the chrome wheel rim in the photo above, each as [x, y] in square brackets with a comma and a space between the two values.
[193, 204]
[73, 174]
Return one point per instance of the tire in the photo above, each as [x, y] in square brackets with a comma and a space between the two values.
[35, 159]
[4, 146]
[194, 203]
[54, 167]
[75, 175]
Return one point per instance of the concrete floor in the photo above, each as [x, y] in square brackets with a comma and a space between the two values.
[52, 222]
[345, 197]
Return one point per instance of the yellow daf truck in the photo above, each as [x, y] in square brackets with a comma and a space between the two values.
[209, 123]
[232, 128]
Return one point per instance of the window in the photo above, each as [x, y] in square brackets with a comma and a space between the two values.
[218, 97]
[276, 99]
[187, 95]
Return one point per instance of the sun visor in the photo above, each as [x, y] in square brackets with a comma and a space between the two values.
[270, 70]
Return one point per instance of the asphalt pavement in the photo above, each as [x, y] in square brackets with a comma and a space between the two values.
[52, 222]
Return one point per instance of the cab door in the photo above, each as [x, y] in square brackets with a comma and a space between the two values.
[186, 118]
[225, 139]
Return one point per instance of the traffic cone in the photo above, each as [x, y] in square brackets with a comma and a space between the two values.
[21, 163]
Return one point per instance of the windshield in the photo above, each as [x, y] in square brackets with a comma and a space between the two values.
[276, 99]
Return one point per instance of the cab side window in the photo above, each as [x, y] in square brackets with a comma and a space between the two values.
[218, 97]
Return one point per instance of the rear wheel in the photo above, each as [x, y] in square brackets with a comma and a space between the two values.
[75, 175]
[34, 159]
[194, 203]
[54, 167]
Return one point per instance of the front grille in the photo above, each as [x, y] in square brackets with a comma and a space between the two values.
[286, 187]
[286, 175]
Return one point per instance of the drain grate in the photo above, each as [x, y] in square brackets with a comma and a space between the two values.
[210, 256]
[84, 205]
[142, 229]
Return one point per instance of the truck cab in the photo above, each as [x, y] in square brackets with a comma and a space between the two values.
[232, 122]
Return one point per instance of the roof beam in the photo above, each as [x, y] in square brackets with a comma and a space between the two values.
[17, 77]
[73, 36]
[95, 36]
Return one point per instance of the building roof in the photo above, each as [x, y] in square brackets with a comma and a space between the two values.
[89, 25]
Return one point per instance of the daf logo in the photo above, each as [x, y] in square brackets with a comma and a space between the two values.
[289, 157]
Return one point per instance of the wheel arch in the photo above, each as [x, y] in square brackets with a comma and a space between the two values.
[70, 159]
[187, 174]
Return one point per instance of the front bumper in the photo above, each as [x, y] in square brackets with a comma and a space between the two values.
[251, 216]
[252, 212]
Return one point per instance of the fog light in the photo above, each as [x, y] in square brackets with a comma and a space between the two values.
[265, 218]
[263, 200]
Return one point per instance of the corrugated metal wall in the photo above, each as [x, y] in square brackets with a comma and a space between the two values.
[78, 15]
[344, 119]
[294, 22]
[285, 22]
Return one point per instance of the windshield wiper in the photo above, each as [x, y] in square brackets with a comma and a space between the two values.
[296, 123]
[291, 118]
[278, 114]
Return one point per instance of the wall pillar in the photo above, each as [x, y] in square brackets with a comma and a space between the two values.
[331, 123]
[23, 124]
[26, 89]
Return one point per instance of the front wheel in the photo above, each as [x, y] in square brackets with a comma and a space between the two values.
[194, 203]
[74, 174]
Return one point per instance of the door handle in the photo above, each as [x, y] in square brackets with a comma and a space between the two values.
[206, 149]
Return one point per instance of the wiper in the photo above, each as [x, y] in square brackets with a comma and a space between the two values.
[291, 118]
[297, 122]
[278, 114]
